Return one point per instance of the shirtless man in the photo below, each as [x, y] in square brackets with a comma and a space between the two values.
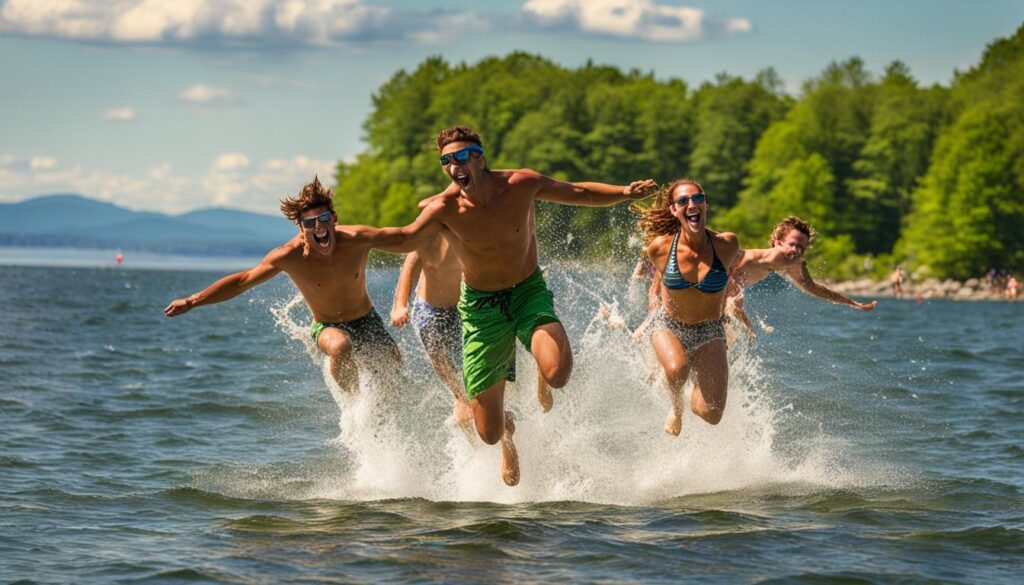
[436, 319]
[788, 242]
[327, 262]
[434, 314]
[488, 218]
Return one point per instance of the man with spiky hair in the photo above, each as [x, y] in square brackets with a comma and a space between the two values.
[488, 217]
[327, 262]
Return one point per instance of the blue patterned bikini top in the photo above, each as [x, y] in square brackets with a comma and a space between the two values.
[714, 281]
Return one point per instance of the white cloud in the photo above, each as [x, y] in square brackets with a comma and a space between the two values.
[120, 115]
[738, 25]
[231, 161]
[261, 186]
[637, 19]
[243, 24]
[207, 95]
[283, 24]
[42, 163]
[231, 180]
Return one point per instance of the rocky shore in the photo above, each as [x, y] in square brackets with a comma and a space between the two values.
[970, 290]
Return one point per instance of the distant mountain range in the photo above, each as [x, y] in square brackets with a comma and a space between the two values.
[69, 220]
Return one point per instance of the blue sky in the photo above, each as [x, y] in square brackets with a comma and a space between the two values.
[176, 105]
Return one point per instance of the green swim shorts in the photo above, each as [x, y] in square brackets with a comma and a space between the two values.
[490, 323]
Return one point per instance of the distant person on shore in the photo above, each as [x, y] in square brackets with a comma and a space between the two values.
[693, 264]
[896, 280]
[1011, 287]
[785, 256]
[488, 217]
[327, 262]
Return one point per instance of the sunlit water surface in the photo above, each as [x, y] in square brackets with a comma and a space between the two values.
[882, 447]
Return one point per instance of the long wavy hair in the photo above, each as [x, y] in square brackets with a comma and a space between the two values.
[657, 220]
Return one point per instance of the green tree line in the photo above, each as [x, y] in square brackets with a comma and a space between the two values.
[886, 169]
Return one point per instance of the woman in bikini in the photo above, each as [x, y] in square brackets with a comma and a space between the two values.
[693, 264]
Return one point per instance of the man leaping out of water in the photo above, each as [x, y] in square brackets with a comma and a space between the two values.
[488, 218]
[789, 241]
[436, 318]
[327, 262]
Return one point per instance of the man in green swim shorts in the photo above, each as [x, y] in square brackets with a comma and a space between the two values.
[327, 262]
[488, 216]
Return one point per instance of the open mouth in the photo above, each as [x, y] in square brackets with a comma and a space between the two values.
[693, 219]
[462, 178]
[322, 238]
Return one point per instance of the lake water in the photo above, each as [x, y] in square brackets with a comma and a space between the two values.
[882, 447]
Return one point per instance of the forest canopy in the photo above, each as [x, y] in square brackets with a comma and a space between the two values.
[886, 169]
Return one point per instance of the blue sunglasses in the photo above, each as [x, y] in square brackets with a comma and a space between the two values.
[697, 198]
[310, 222]
[462, 155]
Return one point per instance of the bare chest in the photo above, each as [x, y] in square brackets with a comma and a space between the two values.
[506, 224]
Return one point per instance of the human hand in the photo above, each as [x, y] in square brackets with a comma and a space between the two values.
[639, 189]
[178, 307]
[400, 316]
[864, 307]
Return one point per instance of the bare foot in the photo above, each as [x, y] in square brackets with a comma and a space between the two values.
[544, 396]
[674, 421]
[509, 456]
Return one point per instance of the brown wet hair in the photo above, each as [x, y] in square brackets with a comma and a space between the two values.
[789, 224]
[657, 220]
[311, 196]
[457, 134]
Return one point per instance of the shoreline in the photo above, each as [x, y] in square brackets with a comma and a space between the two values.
[972, 289]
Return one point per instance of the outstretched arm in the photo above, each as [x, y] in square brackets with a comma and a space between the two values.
[591, 194]
[404, 239]
[230, 286]
[802, 278]
[400, 306]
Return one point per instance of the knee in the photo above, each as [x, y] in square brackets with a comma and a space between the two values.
[676, 373]
[559, 377]
[339, 348]
[491, 434]
[712, 414]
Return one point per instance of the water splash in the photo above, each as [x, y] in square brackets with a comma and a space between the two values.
[602, 443]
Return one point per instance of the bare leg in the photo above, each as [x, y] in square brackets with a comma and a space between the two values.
[337, 345]
[544, 393]
[452, 379]
[738, 313]
[711, 386]
[493, 424]
[674, 360]
[509, 455]
[550, 347]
